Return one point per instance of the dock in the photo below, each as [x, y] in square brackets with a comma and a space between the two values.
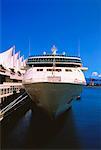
[7, 90]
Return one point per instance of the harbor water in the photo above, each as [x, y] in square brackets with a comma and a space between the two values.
[78, 128]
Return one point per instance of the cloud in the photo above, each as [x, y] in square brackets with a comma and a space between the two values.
[94, 74]
[99, 75]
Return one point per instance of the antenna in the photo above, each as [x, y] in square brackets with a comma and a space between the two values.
[29, 48]
[79, 47]
[53, 49]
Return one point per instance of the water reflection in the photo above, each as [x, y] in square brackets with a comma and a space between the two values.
[37, 130]
[78, 128]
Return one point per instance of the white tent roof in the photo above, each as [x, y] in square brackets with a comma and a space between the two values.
[5, 57]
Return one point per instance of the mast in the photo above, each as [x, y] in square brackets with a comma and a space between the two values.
[53, 49]
[79, 47]
[29, 48]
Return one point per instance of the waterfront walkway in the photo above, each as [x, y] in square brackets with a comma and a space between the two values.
[7, 89]
[15, 103]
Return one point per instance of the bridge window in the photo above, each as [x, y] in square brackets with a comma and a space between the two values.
[49, 69]
[39, 69]
[1, 91]
[58, 70]
[68, 70]
[4, 91]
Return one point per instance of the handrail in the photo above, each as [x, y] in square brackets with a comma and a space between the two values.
[7, 89]
[11, 105]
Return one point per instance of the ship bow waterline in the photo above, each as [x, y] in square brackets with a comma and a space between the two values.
[54, 97]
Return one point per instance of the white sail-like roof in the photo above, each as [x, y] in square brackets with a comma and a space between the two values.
[20, 63]
[5, 57]
[10, 59]
[15, 57]
[24, 62]
[11, 63]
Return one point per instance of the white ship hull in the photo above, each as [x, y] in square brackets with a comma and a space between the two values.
[54, 97]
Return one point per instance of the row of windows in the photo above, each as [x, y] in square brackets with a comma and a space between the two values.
[58, 70]
[9, 90]
[51, 60]
[51, 64]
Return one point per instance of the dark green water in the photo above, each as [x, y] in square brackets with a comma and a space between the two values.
[78, 128]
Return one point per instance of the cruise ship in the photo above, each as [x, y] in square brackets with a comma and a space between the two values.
[54, 80]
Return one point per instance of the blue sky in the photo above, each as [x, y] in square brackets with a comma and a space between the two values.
[47, 22]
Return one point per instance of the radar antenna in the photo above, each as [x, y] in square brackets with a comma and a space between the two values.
[53, 49]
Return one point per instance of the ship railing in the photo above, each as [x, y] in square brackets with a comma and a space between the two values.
[7, 89]
[12, 105]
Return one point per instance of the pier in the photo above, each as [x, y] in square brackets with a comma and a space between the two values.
[12, 92]
[7, 90]
[16, 103]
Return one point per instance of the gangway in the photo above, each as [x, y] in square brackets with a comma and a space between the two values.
[10, 106]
